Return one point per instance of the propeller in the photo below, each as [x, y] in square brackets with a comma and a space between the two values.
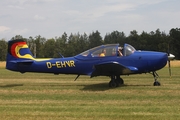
[170, 57]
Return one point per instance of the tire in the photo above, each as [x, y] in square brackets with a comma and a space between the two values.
[120, 81]
[113, 84]
[157, 83]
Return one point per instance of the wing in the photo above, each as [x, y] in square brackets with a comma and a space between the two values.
[112, 68]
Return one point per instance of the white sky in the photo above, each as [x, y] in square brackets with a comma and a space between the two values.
[51, 18]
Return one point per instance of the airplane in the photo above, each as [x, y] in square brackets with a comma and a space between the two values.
[112, 64]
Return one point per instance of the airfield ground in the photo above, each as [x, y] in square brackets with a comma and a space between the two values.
[38, 96]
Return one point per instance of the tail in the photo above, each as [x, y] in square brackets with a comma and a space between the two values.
[18, 49]
[18, 52]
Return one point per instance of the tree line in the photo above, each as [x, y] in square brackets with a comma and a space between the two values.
[76, 43]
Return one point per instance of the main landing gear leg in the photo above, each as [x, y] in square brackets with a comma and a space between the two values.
[119, 80]
[115, 81]
[155, 75]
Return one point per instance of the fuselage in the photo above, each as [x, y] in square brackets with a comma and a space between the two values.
[145, 61]
[19, 58]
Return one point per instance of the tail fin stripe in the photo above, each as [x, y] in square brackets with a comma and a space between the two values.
[15, 48]
[19, 51]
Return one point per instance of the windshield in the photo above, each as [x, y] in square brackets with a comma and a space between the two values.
[85, 53]
[128, 49]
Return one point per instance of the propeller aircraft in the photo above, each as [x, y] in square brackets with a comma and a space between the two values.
[105, 60]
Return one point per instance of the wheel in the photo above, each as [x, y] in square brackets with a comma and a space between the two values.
[120, 81]
[156, 83]
[113, 84]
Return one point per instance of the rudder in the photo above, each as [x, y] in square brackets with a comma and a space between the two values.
[18, 51]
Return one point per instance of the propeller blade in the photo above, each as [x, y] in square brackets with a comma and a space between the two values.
[169, 66]
[170, 57]
[168, 50]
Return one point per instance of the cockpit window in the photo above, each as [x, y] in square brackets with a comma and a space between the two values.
[108, 50]
[103, 52]
[128, 50]
[86, 53]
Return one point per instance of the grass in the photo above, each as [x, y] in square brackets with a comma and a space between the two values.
[48, 97]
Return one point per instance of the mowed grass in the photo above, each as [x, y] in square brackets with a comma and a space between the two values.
[38, 96]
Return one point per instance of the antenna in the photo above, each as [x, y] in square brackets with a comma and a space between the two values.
[60, 54]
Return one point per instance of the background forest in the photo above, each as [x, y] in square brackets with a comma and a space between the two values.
[77, 43]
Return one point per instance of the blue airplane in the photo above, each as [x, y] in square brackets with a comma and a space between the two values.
[105, 60]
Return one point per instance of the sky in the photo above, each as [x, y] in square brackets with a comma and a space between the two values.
[51, 18]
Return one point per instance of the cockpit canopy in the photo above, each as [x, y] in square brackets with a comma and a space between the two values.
[128, 50]
[108, 50]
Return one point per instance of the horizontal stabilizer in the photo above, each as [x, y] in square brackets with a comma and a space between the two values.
[21, 61]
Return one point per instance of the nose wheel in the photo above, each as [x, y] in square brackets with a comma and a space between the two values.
[116, 81]
[156, 76]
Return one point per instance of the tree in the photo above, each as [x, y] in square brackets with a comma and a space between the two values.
[61, 44]
[143, 38]
[38, 46]
[175, 41]
[95, 39]
[3, 50]
[73, 47]
[83, 42]
[76, 43]
[133, 38]
[49, 48]
[17, 37]
[115, 37]
[31, 45]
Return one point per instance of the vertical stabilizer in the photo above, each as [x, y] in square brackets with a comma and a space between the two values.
[18, 51]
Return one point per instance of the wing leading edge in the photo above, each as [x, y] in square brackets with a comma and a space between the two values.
[112, 68]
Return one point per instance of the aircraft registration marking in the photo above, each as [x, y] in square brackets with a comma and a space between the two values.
[61, 64]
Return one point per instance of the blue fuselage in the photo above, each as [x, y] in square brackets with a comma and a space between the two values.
[144, 61]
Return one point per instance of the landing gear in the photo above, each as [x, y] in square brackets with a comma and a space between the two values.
[156, 83]
[115, 81]
[113, 84]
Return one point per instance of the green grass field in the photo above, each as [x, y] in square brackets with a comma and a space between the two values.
[49, 97]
